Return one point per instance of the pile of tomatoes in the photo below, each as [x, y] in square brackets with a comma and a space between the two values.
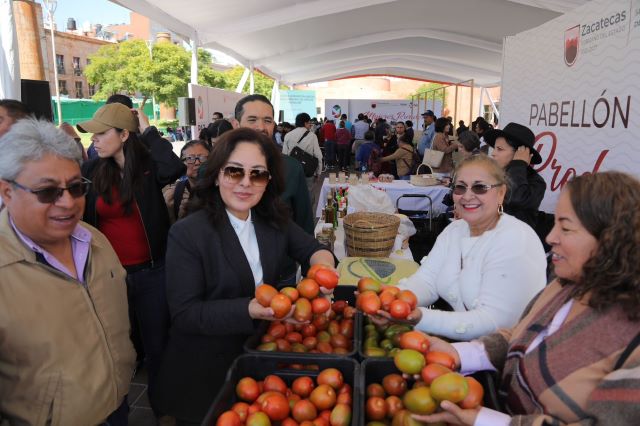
[326, 401]
[438, 382]
[373, 296]
[326, 333]
[306, 297]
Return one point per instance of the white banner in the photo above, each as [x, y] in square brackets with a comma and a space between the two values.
[210, 100]
[575, 81]
[390, 110]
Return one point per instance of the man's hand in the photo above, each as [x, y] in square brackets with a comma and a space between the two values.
[143, 120]
[452, 415]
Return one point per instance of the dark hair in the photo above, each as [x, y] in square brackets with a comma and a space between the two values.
[469, 141]
[607, 205]
[341, 124]
[219, 114]
[207, 193]
[218, 127]
[461, 122]
[204, 135]
[251, 98]
[441, 123]
[193, 143]
[302, 119]
[369, 135]
[343, 116]
[15, 109]
[120, 99]
[483, 125]
[402, 124]
[107, 174]
[408, 123]
[361, 116]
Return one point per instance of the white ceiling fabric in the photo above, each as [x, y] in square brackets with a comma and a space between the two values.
[304, 41]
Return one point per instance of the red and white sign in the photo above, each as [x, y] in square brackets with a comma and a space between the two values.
[210, 100]
[575, 81]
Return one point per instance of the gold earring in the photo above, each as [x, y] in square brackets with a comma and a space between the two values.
[500, 209]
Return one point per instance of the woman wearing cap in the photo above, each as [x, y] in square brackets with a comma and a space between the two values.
[513, 150]
[487, 266]
[126, 204]
[574, 357]
[237, 238]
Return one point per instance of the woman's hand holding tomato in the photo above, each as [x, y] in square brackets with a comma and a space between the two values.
[452, 414]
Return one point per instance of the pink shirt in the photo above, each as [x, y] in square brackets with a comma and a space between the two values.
[80, 243]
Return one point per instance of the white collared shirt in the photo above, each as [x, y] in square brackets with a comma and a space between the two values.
[247, 235]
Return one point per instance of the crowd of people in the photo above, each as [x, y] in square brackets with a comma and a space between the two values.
[133, 253]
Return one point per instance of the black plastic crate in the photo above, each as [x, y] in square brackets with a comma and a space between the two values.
[340, 293]
[373, 370]
[262, 365]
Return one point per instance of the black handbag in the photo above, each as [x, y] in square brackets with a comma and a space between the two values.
[308, 161]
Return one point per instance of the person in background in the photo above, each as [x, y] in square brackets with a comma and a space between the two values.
[329, 135]
[481, 127]
[428, 133]
[68, 129]
[10, 112]
[217, 128]
[66, 354]
[573, 357]
[278, 135]
[359, 128]
[237, 238]
[513, 150]
[217, 116]
[403, 157]
[409, 131]
[126, 101]
[450, 120]
[441, 143]
[461, 128]
[347, 123]
[126, 204]
[468, 144]
[304, 138]
[381, 130]
[487, 265]
[194, 154]
[343, 138]
[365, 150]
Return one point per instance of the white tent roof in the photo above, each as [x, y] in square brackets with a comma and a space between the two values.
[303, 41]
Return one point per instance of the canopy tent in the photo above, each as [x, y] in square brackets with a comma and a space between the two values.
[304, 41]
[9, 63]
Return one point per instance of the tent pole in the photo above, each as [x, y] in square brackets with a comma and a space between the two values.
[243, 80]
[251, 81]
[10, 87]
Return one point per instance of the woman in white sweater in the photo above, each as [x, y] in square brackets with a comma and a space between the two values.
[487, 265]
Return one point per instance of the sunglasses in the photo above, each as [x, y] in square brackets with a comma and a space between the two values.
[258, 177]
[476, 188]
[191, 159]
[53, 194]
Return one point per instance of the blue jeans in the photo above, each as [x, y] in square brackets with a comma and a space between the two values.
[406, 177]
[148, 305]
[330, 153]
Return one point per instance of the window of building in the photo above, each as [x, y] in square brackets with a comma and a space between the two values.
[76, 66]
[60, 63]
[79, 94]
[62, 85]
[92, 90]
[88, 61]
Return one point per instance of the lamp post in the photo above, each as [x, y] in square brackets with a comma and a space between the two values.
[51, 5]
[153, 95]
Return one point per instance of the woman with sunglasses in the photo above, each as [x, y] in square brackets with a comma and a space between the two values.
[65, 348]
[126, 204]
[236, 237]
[487, 265]
[194, 154]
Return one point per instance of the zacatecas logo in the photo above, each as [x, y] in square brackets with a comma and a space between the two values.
[571, 43]
[591, 34]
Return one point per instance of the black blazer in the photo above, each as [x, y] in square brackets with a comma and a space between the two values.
[526, 191]
[209, 286]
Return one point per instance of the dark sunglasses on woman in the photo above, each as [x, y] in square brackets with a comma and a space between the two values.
[235, 174]
[476, 188]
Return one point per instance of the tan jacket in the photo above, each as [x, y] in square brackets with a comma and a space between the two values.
[403, 157]
[65, 353]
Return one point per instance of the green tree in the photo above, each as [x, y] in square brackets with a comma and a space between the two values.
[262, 83]
[128, 67]
[429, 87]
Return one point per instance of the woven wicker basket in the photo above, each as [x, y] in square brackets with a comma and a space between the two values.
[370, 234]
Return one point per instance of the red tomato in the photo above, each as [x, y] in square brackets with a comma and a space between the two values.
[399, 309]
[327, 278]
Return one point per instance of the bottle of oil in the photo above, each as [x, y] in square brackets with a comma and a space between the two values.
[329, 210]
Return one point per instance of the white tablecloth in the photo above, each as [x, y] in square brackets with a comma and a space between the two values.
[394, 190]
